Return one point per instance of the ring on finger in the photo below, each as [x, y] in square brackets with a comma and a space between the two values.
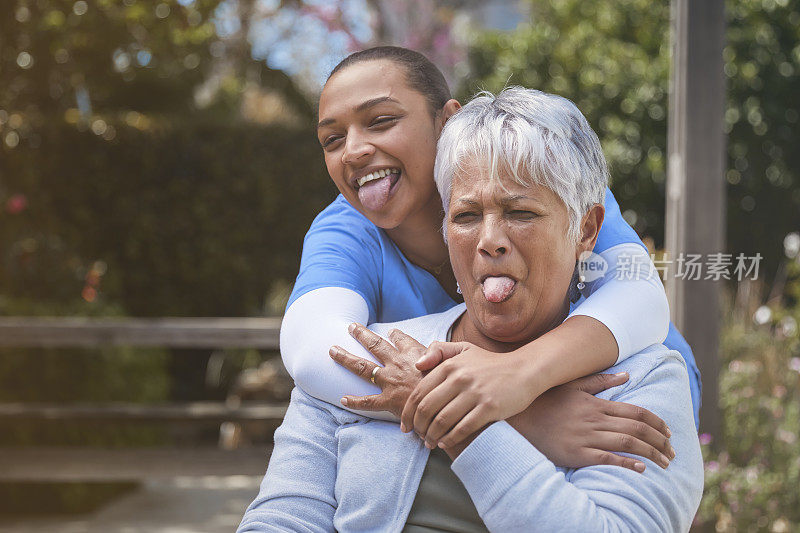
[374, 373]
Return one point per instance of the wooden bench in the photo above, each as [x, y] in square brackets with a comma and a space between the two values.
[210, 412]
[73, 332]
[59, 464]
[138, 464]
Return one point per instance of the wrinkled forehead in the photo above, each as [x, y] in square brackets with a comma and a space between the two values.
[476, 174]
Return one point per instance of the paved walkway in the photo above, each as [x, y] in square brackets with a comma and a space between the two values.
[211, 504]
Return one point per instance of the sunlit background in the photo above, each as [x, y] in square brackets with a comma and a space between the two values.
[159, 159]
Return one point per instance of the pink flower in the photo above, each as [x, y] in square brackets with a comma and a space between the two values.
[705, 439]
[712, 466]
[17, 204]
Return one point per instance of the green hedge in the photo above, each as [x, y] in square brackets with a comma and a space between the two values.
[196, 219]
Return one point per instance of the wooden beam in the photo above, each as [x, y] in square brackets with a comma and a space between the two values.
[64, 332]
[695, 217]
[86, 464]
[208, 412]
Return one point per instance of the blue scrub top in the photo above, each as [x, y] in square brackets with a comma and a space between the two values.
[344, 249]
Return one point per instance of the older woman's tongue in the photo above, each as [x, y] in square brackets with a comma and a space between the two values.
[497, 289]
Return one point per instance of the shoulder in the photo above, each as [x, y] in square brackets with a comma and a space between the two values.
[659, 381]
[342, 218]
[615, 230]
[656, 357]
[425, 329]
[342, 248]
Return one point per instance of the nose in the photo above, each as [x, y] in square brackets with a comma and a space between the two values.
[356, 147]
[493, 241]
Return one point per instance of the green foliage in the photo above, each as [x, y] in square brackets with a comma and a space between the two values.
[762, 64]
[148, 54]
[194, 219]
[752, 484]
[612, 60]
[119, 196]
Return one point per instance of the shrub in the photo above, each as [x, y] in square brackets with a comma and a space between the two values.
[752, 483]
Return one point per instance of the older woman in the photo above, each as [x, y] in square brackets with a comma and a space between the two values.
[522, 179]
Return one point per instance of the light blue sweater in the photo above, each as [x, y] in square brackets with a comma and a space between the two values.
[335, 470]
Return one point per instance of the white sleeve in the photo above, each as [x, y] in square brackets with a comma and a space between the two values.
[311, 325]
[629, 300]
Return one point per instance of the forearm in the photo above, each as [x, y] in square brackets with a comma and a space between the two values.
[586, 343]
[312, 324]
[513, 484]
[529, 491]
[629, 300]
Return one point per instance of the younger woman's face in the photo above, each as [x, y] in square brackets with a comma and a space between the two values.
[379, 140]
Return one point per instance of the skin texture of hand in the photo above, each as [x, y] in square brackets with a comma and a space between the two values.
[472, 387]
[500, 385]
[568, 423]
[397, 377]
[573, 428]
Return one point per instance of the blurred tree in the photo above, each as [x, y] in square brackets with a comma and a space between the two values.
[307, 38]
[762, 64]
[144, 160]
[612, 60]
[99, 55]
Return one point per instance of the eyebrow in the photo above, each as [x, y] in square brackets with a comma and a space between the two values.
[515, 198]
[467, 201]
[505, 201]
[361, 107]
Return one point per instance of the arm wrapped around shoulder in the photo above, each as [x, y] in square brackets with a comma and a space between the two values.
[515, 487]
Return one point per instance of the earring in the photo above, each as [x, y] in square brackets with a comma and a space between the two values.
[458, 288]
[575, 285]
[581, 285]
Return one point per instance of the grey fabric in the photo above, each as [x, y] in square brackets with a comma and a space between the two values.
[442, 503]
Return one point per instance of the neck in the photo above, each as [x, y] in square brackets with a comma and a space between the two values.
[465, 330]
[419, 237]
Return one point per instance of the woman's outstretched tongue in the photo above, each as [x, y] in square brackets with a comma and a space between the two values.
[374, 194]
[497, 289]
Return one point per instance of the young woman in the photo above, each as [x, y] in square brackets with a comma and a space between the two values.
[376, 254]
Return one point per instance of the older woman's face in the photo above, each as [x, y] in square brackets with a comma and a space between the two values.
[511, 254]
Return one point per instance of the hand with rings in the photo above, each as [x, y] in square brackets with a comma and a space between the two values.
[397, 377]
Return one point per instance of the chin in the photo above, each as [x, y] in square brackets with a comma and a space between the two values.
[506, 327]
[387, 218]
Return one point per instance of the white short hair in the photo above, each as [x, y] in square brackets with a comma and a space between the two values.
[536, 137]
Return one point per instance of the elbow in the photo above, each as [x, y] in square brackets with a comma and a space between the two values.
[305, 342]
[661, 312]
[296, 354]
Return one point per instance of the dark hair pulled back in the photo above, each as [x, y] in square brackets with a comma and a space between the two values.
[421, 75]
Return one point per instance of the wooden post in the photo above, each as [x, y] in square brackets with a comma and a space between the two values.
[695, 216]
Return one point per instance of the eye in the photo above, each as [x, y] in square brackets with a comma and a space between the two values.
[383, 120]
[330, 140]
[521, 214]
[464, 217]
